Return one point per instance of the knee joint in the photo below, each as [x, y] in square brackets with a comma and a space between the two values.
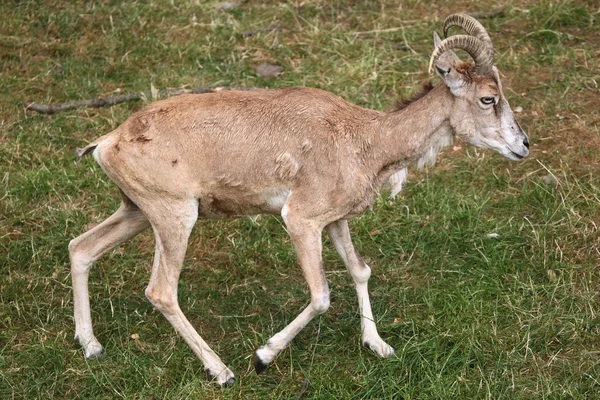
[80, 262]
[362, 274]
[159, 300]
[321, 304]
[73, 247]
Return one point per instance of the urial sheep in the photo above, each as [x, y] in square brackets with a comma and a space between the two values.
[302, 153]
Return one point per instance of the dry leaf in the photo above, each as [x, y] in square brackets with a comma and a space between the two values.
[268, 70]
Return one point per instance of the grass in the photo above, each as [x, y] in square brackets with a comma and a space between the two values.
[471, 316]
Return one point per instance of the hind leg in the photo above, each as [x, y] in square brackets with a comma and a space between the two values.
[172, 223]
[84, 250]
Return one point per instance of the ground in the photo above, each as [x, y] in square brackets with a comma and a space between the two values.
[471, 315]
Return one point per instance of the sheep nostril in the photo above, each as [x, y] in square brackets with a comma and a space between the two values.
[526, 143]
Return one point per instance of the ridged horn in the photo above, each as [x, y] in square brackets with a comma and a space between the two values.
[476, 48]
[473, 28]
[469, 24]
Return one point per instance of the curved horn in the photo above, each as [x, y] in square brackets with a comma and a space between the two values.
[473, 28]
[476, 48]
[469, 24]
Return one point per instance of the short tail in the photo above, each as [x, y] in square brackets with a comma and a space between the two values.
[80, 152]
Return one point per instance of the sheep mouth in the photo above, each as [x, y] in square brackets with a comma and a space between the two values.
[516, 155]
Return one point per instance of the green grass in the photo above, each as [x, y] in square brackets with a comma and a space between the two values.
[512, 317]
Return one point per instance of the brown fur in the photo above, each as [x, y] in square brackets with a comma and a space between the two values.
[465, 68]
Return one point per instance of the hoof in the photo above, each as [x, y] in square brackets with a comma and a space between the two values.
[99, 354]
[259, 365]
[91, 347]
[225, 378]
[381, 348]
[229, 382]
[94, 350]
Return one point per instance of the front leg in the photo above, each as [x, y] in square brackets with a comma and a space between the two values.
[306, 236]
[340, 237]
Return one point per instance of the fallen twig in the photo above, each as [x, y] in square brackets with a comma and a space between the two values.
[303, 389]
[387, 30]
[406, 42]
[110, 101]
[488, 14]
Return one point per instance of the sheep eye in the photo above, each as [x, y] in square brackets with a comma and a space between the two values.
[488, 100]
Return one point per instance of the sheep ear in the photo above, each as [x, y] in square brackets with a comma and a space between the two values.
[436, 40]
[452, 78]
[445, 68]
